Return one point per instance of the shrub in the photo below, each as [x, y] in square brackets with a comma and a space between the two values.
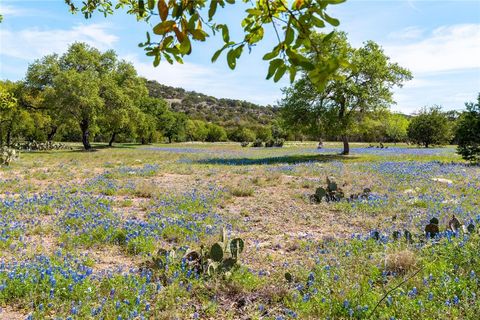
[269, 143]
[429, 127]
[243, 135]
[279, 143]
[274, 143]
[216, 133]
[468, 133]
[257, 144]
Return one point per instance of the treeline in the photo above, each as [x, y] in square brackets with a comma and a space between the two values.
[87, 95]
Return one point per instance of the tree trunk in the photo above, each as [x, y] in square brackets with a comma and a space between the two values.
[346, 146]
[112, 139]
[144, 141]
[52, 133]
[9, 138]
[169, 139]
[84, 126]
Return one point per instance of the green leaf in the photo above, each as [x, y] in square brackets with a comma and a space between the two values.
[328, 37]
[274, 64]
[230, 1]
[163, 27]
[217, 54]
[280, 72]
[148, 37]
[271, 55]
[289, 35]
[225, 33]
[334, 22]
[198, 34]
[156, 61]
[168, 58]
[334, 1]
[254, 12]
[238, 51]
[231, 59]
[293, 73]
[178, 58]
[166, 42]
[151, 4]
[318, 22]
[212, 9]
[141, 7]
[185, 46]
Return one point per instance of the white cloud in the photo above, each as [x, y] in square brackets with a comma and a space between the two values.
[408, 33]
[176, 75]
[32, 43]
[14, 11]
[448, 48]
[8, 10]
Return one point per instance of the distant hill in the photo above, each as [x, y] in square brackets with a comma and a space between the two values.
[225, 112]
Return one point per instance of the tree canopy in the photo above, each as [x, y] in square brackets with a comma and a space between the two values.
[430, 127]
[177, 24]
[468, 132]
[361, 85]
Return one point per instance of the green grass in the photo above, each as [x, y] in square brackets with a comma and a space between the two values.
[78, 231]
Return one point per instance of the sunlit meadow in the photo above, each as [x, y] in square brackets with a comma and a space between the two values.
[78, 232]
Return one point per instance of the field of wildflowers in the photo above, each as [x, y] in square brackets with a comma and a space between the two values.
[79, 230]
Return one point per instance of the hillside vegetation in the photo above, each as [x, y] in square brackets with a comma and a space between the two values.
[225, 112]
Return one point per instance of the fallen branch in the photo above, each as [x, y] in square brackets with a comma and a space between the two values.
[396, 287]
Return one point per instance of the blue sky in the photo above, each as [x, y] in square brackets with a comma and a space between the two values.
[439, 41]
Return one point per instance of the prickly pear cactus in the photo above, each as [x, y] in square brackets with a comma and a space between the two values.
[236, 247]
[408, 236]
[8, 155]
[471, 228]
[396, 235]
[454, 224]
[331, 193]
[216, 252]
[320, 193]
[331, 184]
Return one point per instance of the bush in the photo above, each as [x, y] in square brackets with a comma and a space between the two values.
[243, 135]
[8, 155]
[279, 143]
[216, 133]
[274, 143]
[468, 133]
[258, 143]
[269, 143]
[429, 127]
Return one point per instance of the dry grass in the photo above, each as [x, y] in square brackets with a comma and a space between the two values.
[145, 189]
[242, 190]
[400, 262]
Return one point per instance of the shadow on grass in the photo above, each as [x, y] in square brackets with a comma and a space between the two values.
[291, 159]
[98, 147]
